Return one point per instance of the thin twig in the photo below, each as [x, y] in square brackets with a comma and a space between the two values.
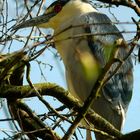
[38, 94]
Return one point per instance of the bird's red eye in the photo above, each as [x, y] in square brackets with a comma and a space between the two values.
[57, 8]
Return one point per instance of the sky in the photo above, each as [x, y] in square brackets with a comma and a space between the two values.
[56, 75]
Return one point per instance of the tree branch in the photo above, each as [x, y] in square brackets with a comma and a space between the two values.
[127, 3]
[12, 92]
[49, 89]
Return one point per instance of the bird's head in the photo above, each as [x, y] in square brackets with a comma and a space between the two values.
[58, 13]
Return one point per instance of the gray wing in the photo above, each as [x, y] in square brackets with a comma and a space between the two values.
[118, 90]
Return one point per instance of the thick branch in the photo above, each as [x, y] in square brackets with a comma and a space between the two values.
[29, 122]
[63, 96]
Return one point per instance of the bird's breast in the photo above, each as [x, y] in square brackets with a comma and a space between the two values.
[82, 69]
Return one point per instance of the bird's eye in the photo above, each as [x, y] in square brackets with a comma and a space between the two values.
[57, 8]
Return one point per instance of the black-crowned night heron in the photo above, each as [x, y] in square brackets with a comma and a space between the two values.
[85, 56]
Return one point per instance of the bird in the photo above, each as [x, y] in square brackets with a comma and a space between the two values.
[85, 39]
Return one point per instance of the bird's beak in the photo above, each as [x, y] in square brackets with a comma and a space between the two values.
[36, 21]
